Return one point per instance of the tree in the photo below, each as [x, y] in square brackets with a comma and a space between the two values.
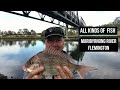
[43, 33]
[72, 32]
[25, 31]
[111, 25]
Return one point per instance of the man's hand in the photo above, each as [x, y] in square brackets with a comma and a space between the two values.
[65, 73]
[34, 74]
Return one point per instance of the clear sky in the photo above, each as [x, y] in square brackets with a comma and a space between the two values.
[14, 22]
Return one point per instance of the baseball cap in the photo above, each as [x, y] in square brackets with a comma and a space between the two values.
[54, 31]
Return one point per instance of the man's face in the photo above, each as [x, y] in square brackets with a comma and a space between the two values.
[56, 42]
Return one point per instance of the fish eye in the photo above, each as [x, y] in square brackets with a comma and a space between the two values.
[31, 62]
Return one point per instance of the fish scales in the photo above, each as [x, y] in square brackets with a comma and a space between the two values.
[50, 58]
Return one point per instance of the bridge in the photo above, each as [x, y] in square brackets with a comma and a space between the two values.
[67, 18]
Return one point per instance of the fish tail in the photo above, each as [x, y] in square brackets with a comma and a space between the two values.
[82, 69]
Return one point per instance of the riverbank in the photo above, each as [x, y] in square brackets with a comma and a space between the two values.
[33, 38]
[99, 36]
[67, 39]
[2, 76]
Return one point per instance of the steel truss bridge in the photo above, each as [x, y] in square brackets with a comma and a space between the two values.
[65, 17]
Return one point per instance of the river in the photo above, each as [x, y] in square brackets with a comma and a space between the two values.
[14, 54]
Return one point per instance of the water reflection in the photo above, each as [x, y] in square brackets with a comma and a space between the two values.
[77, 54]
[10, 67]
[108, 64]
[118, 45]
[70, 46]
[15, 53]
[21, 43]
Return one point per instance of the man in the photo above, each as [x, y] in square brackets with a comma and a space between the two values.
[54, 37]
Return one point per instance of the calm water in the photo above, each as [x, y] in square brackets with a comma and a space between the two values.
[14, 54]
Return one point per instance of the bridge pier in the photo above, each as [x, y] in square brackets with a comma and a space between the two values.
[67, 47]
[66, 29]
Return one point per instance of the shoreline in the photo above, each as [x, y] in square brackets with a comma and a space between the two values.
[2, 76]
[69, 39]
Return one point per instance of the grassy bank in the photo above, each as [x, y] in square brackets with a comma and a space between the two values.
[21, 38]
[70, 38]
[118, 33]
[28, 38]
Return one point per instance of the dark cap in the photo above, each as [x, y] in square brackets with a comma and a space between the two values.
[54, 31]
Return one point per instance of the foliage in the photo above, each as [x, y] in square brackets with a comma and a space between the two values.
[111, 25]
[73, 33]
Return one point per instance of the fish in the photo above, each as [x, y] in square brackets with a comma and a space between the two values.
[50, 58]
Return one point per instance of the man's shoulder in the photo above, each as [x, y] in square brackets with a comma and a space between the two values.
[67, 54]
[64, 52]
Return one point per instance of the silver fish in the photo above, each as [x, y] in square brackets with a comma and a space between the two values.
[50, 58]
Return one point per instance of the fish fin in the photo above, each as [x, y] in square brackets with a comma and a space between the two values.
[83, 69]
[23, 67]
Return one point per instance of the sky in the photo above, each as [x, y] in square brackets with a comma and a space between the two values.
[15, 22]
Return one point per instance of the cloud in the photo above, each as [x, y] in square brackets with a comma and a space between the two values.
[96, 18]
[9, 50]
[10, 67]
[15, 22]
[106, 62]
